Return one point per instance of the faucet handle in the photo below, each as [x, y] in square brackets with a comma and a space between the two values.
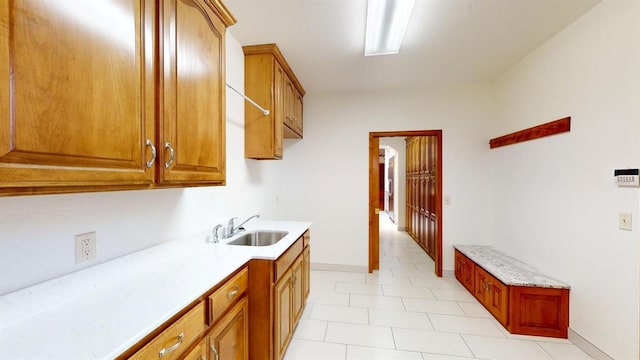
[215, 232]
[230, 224]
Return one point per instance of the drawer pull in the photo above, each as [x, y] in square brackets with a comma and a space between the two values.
[172, 348]
[215, 352]
[232, 293]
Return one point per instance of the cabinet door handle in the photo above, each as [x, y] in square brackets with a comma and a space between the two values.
[173, 347]
[215, 352]
[167, 145]
[232, 293]
[153, 154]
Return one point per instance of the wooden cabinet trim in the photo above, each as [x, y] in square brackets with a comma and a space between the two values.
[273, 49]
[222, 11]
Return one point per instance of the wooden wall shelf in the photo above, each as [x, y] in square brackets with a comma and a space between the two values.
[550, 128]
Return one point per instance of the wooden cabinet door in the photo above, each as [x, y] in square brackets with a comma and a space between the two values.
[283, 316]
[297, 277]
[497, 300]
[298, 113]
[229, 337]
[492, 293]
[279, 113]
[199, 352]
[465, 271]
[76, 93]
[289, 105]
[192, 138]
[306, 269]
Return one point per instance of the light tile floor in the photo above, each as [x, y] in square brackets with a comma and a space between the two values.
[404, 312]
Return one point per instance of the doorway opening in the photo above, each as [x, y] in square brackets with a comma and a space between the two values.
[433, 169]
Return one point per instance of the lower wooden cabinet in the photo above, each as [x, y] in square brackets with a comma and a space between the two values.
[526, 310]
[224, 336]
[289, 303]
[279, 291]
[265, 299]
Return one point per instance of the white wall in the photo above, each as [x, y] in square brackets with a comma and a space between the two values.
[37, 232]
[399, 147]
[556, 205]
[330, 186]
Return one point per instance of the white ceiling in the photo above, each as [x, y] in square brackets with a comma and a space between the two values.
[447, 41]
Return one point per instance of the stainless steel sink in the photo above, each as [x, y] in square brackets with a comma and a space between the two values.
[259, 238]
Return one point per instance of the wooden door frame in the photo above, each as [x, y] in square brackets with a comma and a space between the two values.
[374, 230]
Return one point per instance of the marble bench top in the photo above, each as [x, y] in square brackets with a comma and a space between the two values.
[509, 270]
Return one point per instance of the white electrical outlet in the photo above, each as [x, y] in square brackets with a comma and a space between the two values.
[85, 247]
[625, 221]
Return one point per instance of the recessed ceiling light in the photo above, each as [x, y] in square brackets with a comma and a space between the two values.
[387, 22]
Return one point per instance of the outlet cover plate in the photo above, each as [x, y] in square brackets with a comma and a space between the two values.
[625, 221]
[85, 246]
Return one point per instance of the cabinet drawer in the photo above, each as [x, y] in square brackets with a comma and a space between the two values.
[173, 341]
[227, 294]
[285, 261]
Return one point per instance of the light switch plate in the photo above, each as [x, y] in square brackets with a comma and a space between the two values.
[625, 221]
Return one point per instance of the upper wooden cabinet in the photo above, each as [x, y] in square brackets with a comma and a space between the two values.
[272, 84]
[192, 137]
[91, 91]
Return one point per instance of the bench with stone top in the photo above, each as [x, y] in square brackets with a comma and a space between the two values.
[524, 299]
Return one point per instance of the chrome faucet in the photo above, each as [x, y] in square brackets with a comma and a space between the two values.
[231, 230]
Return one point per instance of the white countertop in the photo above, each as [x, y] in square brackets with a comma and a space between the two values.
[507, 269]
[99, 312]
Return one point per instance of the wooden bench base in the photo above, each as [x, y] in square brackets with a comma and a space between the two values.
[526, 310]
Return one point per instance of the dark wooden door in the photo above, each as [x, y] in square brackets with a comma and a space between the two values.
[390, 195]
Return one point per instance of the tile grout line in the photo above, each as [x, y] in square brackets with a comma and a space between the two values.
[468, 347]
[545, 350]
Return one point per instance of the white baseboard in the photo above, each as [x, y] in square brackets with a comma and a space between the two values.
[587, 346]
[402, 228]
[448, 273]
[338, 267]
